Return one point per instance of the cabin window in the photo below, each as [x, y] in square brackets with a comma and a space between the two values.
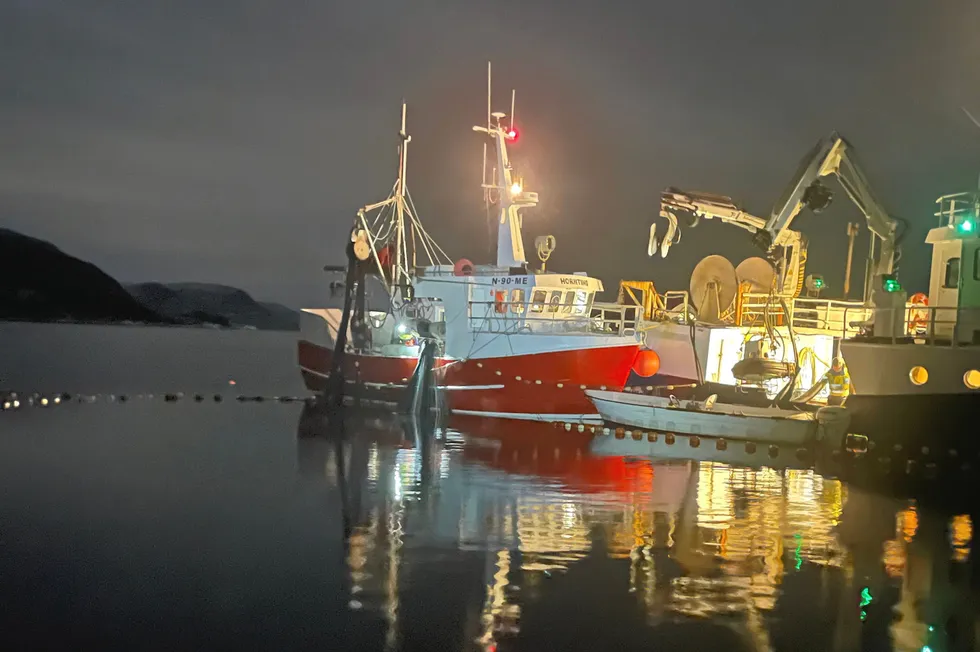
[581, 302]
[554, 301]
[500, 300]
[517, 301]
[952, 279]
[569, 302]
[537, 301]
[976, 265]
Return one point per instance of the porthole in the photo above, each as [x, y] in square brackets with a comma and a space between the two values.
[919, 376]
[972, 378]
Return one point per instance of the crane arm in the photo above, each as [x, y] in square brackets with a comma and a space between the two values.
[702, 204]
[710, 206]
[833, 155]
[789, 262]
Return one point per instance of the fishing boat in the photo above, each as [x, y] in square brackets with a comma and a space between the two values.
[513, 342]
[916, 374]
[708, 418]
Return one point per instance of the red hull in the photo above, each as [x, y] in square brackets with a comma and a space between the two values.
[541, 386]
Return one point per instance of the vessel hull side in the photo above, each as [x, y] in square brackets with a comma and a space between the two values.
[939, 414]
[537, 387]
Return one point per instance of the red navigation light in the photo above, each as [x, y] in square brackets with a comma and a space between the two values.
[513, 134]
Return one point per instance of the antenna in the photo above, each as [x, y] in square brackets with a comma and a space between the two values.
[488, 95]
[484, 169]
[513, 96]
[486, 201]
[486, 190]
[977, 124]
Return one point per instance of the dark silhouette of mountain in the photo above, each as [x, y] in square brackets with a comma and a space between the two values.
[232, 304]
[39, 282]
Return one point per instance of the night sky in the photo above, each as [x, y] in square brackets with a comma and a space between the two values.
[232, 141]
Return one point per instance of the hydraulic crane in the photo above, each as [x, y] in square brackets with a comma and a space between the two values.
[831, 155]
[786, 248]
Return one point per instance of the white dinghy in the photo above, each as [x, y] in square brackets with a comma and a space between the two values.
[711, 419]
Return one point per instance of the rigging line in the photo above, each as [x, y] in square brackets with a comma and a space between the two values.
[423, 239]
[472, 351]
[435, 244]
[429, 244]
[417, 227]
[423, 236]
[382, 222]
[386, 203]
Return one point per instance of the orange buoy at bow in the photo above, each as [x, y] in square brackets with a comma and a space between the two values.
[646, 363]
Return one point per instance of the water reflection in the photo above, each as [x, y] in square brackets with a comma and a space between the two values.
[545, 546]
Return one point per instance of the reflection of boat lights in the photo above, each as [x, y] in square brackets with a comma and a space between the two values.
[802, 485]
[409, 472]
[391, 603]
[330, 468]
[497, 614]
[544, 528]
[568, 516]
[910, 523]
[894, 558]
[716, 506]
[443, 464]
[373, 463]
[357, 558]
[961, 534]
[396, 485]
[866, 599]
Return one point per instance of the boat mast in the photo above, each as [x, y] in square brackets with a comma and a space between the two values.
[401, 245]
[398, 201]
[510, 191]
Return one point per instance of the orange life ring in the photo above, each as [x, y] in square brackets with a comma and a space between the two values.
[918, 318]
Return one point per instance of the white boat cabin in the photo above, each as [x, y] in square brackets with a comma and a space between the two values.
[954, 278]
[496, 301]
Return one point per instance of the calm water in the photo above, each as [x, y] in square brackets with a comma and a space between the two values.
[149, 525]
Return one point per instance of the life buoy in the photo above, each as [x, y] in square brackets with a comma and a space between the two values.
[463, 267]
[919, 317]
[646, 363]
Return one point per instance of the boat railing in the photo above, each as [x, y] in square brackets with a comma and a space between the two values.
[945, 326]
[676, 306]
[615, 318]
[554, 319]
[955, 208]
[805, 313]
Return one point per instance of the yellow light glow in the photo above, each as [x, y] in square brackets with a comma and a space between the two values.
[919, 376]
[516, 189]
[972, 379]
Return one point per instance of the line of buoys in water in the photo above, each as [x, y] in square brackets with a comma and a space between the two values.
[17, 400]
[856, 447]
[694, 441]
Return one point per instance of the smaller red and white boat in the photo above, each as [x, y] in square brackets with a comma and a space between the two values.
[513, 342]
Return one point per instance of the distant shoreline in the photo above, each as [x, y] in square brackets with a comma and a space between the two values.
[161, 324]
